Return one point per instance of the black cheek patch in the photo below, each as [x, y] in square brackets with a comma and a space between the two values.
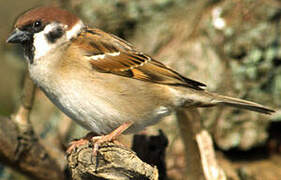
[54, 35]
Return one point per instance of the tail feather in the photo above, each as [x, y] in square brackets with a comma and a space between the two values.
[239, 103]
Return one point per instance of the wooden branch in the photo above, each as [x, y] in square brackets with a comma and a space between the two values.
[208, 157]
[19, 146]
[26, 154]
[188, 129]
[112, 162]
[200, 154]
[21, 117]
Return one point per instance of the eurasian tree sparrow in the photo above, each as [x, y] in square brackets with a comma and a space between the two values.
[101, 81]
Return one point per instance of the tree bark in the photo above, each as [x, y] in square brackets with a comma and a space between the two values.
[112, 162]
[25, 153]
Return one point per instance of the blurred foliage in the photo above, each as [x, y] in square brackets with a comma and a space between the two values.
[246, 35]
[120, 16]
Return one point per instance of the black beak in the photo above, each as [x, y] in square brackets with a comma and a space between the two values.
[18, 36]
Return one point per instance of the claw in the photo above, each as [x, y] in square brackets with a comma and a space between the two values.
[75, 144]
[98, 140]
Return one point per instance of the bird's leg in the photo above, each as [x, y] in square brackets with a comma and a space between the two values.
[80, 142]
[98, 140]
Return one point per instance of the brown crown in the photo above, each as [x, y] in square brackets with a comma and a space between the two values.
[47, 14]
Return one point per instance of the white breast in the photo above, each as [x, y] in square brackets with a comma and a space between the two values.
[96, 110]
[88, 110]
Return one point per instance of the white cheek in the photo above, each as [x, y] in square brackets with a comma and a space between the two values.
[41, 45]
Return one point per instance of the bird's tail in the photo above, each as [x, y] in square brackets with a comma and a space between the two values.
[211, 99]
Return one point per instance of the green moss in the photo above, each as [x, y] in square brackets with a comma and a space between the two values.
[254, 56]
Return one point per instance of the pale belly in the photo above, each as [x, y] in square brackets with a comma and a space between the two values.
[102, 109]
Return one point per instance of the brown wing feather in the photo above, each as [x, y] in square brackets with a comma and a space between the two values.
[108, 53]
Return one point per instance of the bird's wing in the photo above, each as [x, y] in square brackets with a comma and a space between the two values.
[110, 54]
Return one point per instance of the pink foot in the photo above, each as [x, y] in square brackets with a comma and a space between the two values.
[76, 143]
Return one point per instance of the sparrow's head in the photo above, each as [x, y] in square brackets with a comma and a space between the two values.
[43, 29]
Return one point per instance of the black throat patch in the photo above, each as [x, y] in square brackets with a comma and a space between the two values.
[29, 50]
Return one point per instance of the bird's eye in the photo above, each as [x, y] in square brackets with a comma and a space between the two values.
[37, 24]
